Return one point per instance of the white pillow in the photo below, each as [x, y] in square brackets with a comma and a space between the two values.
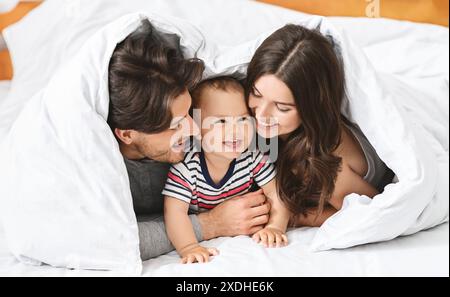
[65, 191]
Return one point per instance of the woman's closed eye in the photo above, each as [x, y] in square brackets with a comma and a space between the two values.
[255, 93]
[283, 108]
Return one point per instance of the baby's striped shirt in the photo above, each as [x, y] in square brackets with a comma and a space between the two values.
[191, 182]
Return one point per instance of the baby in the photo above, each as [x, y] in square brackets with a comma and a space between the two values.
[225, 168]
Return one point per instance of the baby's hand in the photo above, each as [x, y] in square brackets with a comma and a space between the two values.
[271, 237]
[198, 254]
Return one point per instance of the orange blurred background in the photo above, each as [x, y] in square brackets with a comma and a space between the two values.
[426, 11]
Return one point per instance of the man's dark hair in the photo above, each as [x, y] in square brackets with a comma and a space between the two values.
[147, 72]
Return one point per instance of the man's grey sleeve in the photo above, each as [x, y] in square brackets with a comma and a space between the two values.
[153, 237]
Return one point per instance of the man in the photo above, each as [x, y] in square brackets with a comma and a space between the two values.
[149, 83]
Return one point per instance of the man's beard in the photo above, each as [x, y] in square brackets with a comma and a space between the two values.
[163, 156]
[169, 157]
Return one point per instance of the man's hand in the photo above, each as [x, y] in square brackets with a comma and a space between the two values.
[243, 215]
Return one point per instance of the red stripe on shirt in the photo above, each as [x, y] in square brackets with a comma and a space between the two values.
[260, 165]
[207, 206]
[179, 180]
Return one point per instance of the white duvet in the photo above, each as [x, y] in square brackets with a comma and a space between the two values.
[65, 193]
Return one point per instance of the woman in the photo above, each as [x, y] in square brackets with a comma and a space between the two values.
[295, 88]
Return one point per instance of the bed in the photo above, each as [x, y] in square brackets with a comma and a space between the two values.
[424, 254]
[409, 51]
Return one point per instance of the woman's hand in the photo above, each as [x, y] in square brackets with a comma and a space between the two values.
[197, 254]
[271, 237]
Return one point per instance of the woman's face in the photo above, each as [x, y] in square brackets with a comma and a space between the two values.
[273, 105]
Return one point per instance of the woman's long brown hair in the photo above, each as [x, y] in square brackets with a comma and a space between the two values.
[307, 63]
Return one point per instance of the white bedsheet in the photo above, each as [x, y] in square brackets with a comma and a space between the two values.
[423, 254]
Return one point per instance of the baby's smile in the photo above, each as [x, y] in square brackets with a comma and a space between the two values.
[233, 145]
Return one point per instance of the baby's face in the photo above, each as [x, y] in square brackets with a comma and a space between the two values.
[227, 127]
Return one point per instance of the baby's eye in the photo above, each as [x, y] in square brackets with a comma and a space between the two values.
[244, 119]
[220, 121]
